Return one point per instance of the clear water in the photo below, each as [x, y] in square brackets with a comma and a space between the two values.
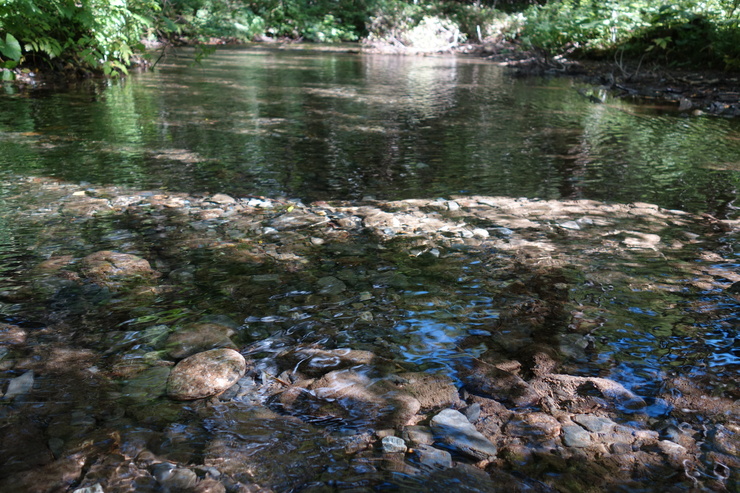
[320, 126]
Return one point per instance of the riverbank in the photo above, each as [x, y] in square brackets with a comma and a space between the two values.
[471, 341]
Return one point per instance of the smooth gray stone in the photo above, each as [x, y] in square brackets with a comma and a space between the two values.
[575, 436]
[20, 385]
[433, 457]
[453, 428]
[595, 424]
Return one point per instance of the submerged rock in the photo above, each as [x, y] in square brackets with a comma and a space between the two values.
[393, 445]
[575, 436]
[256, 445]
[433, 457]
[19, 386]
[197, 337]
[110, 268]
[148, 384]
[205, 374]
[453, 429]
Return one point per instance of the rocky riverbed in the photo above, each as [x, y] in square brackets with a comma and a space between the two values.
[159, 341]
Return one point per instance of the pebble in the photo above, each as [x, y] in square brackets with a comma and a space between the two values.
[205, 374]
[392, 444]
[19, 385]
[222, 198]
[433, 457]
[454, 429]
[671, 449]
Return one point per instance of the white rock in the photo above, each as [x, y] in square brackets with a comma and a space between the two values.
[20, 385]
[393, 444]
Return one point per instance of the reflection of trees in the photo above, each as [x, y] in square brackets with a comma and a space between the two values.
[334, 125]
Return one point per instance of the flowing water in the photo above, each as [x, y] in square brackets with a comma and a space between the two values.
[291, 127]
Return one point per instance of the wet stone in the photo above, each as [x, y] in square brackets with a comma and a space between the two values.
[209, 486]
[222, 198]
[194, 338]
[594, 424]
[19, 386]
[671, 449]
[533, 425]
[109, 268]
[726, 439]
[393, 444]
[433, 457]
[96, 488]
[205, 374]
[418, 435]
[330, 285]
[453, 429]
[148, 384]
[575, 436]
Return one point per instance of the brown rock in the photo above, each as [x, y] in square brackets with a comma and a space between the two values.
[108, 268]
[533, 425]
[205, 374]
[432, 391]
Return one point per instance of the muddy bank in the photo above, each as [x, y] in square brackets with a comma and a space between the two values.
[155, 340]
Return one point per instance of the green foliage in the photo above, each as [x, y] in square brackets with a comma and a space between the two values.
[10, 55]
[105, 35]
[317, 20]
[703, 33]
[90, 34]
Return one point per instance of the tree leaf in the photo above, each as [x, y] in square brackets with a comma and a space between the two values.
[11, 48]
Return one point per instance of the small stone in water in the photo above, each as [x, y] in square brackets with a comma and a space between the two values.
[205, 374]
[221, 198]
[454, 429]
[20, 385]
[331, 285]
[433, 457]
[393, 444]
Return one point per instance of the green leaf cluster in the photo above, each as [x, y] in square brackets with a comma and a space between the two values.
[696, 32]
[84, 34]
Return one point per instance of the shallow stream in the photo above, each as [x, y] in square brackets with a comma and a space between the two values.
[421, 215]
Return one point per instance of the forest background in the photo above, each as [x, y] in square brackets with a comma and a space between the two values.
[84, 37]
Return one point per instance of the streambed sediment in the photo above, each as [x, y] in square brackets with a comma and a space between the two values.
[490, 343]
